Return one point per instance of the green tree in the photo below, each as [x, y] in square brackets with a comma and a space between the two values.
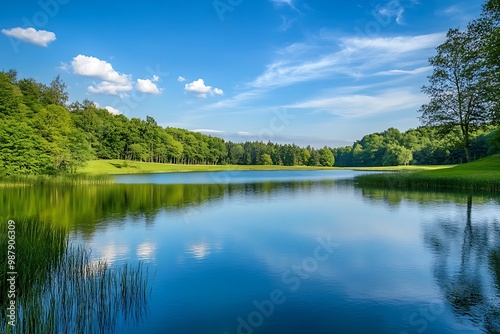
[139, 152]
[305, 155]
[456, 88]
[326, 157]
[489, 30]
[265, 159]
[55, 93]
[235, 153]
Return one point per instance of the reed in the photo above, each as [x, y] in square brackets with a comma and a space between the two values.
[63, 179]
[62, 288]
[482, 175]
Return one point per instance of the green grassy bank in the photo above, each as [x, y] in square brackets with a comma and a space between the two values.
[115, 167]
[480, 175]
[100, 171]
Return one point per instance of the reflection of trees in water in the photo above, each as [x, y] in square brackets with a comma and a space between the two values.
[466, 251]
[85, 208]
[466, 265]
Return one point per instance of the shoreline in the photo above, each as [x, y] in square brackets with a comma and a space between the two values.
[481, 175]
[120, 167]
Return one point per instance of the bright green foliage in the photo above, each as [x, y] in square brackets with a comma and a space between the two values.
[265, 159]
[458, 94]
[396, 155]
[422, 146]
[305, 155]
[326, 158]
[37, 134]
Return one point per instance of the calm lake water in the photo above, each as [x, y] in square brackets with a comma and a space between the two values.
[238, 252]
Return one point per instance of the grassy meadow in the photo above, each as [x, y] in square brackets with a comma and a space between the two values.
[117, 167]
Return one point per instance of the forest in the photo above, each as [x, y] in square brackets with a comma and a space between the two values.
[41, 132]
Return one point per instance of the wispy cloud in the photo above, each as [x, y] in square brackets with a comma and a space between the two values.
[208, 131]
[449, 11]
[462, 11]
[359, 105]
[352, 57]
[395, 9]
[236, 100]
[327, 61]
[289, 3]
[416, 71]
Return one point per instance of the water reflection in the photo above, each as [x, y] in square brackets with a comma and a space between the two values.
[220, 247]
[147, 252]
[89, 208]
[465, 248]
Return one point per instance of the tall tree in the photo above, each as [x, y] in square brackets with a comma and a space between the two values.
[458, 96]
[491, 19]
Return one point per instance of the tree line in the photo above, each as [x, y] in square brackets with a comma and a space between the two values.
[42, 133]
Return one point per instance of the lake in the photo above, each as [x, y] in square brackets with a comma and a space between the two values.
[287, 251]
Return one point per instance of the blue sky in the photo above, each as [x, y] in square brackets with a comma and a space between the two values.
[304, 71]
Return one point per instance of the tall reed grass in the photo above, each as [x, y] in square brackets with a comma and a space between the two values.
[473, 182]
[62, 288]
[63, 179]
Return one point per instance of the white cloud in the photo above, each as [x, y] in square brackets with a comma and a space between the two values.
[358, 105]
[201, 90]
[218, 91]
[94, 67]
[110, 88]
[112, 110]
[208, 131]
[245, 133]
[181, 79]
[395, 45]
[113, 83]
[352, 57]
[416, 71]
[31, 35]
[147, 86]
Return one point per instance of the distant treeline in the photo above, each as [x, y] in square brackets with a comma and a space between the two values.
[421, 146]
[40, 133]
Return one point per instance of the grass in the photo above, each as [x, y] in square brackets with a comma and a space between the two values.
[64, 179]
[61, 288]
[110, 167]
[480, 175]
[410, 168]
[116, 167]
